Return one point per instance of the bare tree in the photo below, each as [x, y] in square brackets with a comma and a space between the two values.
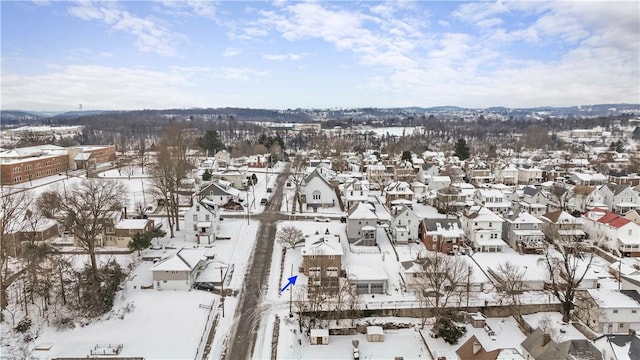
[13, 206]
[297, 179]
[170, 170]
[566, 267]
[509, 278]
[289, 236]
[560, 196]
[142, 153]
[443, 281]
[87, 208]
[129, 168]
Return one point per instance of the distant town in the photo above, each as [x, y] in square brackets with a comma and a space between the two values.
[411, 233]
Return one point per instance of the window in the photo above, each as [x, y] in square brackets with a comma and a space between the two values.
[316, 195]
[197, 207]
[195, 217]
[16, 170]
[332, 257]
[207, 217]
[615, 311]
[634, 311]
[195, 227]
[476, 224]
[517, 226]
[315, 271]
[490, 224]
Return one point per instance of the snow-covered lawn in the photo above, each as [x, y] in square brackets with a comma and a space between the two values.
[165, 325]
[559, 330]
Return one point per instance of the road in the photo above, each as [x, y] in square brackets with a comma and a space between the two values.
[243, 335]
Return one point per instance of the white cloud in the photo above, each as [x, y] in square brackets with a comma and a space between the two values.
[283, 57]
[150, 35]
[231, 52]
[111, 88]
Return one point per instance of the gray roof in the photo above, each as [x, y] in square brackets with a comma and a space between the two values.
[568, 350]
[430, 224]
[621, 340]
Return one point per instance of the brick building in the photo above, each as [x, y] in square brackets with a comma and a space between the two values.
[30, 163]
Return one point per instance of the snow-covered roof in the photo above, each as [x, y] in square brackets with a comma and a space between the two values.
[614, 299]
[134, 224]
[322, 245]
[184, 260]
[366, 272]
[362, 211]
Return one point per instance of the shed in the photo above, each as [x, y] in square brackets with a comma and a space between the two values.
[375, 334]
[319, 337]
[478, 320]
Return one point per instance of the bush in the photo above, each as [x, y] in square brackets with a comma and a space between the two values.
[23, 325]
[448, 330]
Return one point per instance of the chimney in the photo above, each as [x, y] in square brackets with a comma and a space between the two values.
[545, 339]
[476, 347]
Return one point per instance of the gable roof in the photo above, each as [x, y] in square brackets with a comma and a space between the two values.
[623, 344]
[568, 350]
[465, 351]
[361, 211]
[184, 260]
[316, 173]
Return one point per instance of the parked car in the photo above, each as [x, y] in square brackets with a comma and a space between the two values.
[264, 201]
[343, 219]
[321, 219]
[269, 190]
[204, 286]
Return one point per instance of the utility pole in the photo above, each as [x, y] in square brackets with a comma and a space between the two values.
[291, 295]
[222, 290]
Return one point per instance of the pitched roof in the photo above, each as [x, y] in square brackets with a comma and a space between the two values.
[361, 211]
[466, 351]
[184, 260]
[318, 174]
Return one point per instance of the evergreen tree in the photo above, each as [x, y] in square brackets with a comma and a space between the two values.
[462, 150]
[206, 176]
[211, 141]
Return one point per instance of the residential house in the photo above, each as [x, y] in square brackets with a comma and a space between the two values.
[609, 311]
[561, 226]
[449, 200]
[533, 201]
[455, 173]
[404, 226]
[439, 182]
[404, 172]
[588, 179]
[523, 232]
[234, 175]
[377, 176]
[322, 262]
[443, 235]
[360, 221]
[492, 199]
[40, 230]
[610, 230]
[355, 191]
[219, 192]
[317, 191]
[419, 190]
[201, 222]
[506, 174]
[178, 271]
[223, 158]
[398, 193]
[125, 229]
[472, 349]
[482, 229]
[540, 346]
[584, 198]
[529, 175]
[621, 178]
[620, 198]
[480, 173]
[427, 171]
[618, 346]
[633, 215]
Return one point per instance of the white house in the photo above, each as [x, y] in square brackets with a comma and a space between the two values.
[529, 175]
[318, 192]
[398, 193]
[609, 311]
[439, 182]
[404, 226]
[201, 222]
[613, 231]
[506, 174]
[483, 229]
[620, 198]
[360, 216]
[492, 199]
[533, 201]
[355, 191]
[178, 272]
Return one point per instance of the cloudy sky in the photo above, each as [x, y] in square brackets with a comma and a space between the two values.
[181, 54]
